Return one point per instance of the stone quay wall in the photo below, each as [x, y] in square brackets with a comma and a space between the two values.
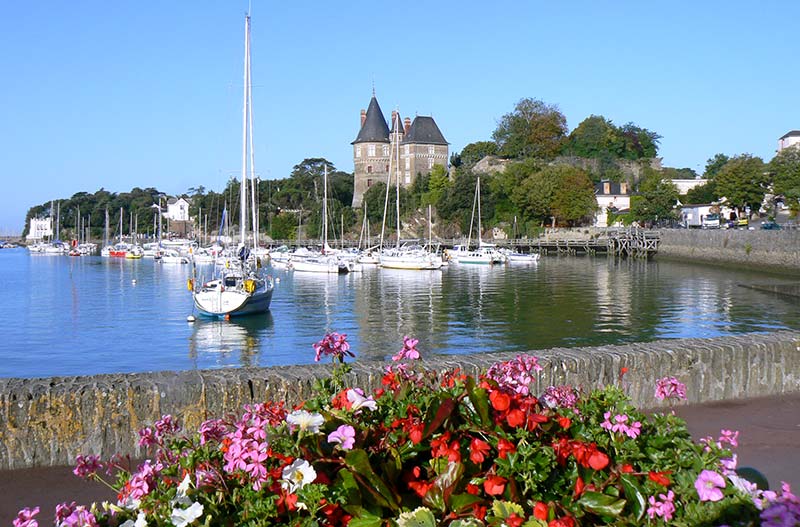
[758, 249]
[48, 421]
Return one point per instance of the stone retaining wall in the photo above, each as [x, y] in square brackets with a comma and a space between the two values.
[757, 249]
[45, 422]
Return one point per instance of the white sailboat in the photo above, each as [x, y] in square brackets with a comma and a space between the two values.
[410, 256]
[326, 260]
[240, 288]
[486, 253]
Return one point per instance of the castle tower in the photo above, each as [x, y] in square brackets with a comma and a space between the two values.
[370, 151]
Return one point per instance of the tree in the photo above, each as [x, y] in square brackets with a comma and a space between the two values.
[574, 199]
[474, 152]
[594, 137]
[533, 129]
[637, 143]
[534, 195]
[714, 165]
[705, 193]
[785, 169]
[656, 200]
[438, 184]
[743, 181]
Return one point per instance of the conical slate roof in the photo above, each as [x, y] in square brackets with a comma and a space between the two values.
[398, 123]
[424, 130]
[374, 129]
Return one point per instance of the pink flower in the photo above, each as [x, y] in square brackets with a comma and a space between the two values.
[212, 430]
[333, 344]
[709, 486]
[515, 375]
[664, 508]
[25, 518]
[86, 466]
[345, 436]
[409, 350]
[670, 387]
[63, 511]
[729, 436]
[620, 424]
[147, 437]
[80, 517]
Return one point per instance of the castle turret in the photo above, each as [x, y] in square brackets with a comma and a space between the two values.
[370, 151]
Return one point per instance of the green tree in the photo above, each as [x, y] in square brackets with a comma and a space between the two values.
[785, 169]
[474, 152]
[714, 165]
[574, 201]
[533, 129]
[438, 184]
[705, 193]
[284, 226]
[594, 137]
[656, 200]
[743, 181]
[637, 143]
[534, 195]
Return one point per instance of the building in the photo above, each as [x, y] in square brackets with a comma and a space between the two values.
[40, 229]
[789, 139]
[419, 145]
[610, 196]
[685, 185]
[177, 209]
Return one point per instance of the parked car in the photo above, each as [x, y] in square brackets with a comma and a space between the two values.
[770, 225]
[711, 221]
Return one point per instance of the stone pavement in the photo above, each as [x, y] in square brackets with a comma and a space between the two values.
[769, 440]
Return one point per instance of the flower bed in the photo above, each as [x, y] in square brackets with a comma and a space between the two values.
[433, 448]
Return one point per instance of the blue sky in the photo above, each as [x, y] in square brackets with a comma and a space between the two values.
[123, 94]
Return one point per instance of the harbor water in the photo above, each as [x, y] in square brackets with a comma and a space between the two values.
[64, 315]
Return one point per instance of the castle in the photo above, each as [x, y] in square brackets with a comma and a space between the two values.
[375, 151]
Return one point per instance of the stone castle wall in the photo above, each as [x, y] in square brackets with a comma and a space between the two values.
[48, 421]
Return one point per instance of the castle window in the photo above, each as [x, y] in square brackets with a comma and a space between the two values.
[405, 149]
[430, 162]
[431, 149]
[387, 168]
[385, 150]
[369, 169]
[369, 183]
[408, 163]
[408, 178]
[371, 150]
[358, 150]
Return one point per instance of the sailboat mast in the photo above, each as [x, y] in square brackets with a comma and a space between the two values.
[243, 189]
[472, 218]
[397, 172]
[253, 185]
[325, 210]
[478, 191]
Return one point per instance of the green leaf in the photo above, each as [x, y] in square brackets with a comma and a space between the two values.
[634, 494]
[480, 400]
[462, 502]
[601, 504]
[366, 520]
[358, 461]
[444, 410]
[504, 509]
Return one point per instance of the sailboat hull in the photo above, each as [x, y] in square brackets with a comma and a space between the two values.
[236, 302]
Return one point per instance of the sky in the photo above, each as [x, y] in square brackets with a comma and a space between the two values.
[117, 95]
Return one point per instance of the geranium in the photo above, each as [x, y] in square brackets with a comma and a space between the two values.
[334, 345]
[709, 486]
[670, 388]
[25, 518]
[409, 350]
[430, 448]
[87, 466]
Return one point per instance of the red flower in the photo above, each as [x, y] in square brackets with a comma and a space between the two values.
[473, 489]
[564, 422]
[515, 418]
[479, 511]
[513, 520]
[579, 487]
[415, 433]
[505, 447]
[478, 450]
[421, 488]
[494, 485]
[541, 511]
[340, 401]
[626, 468]
[598, 460]
[439, 447]
[566, 521]
[660, 477]
[500, 401]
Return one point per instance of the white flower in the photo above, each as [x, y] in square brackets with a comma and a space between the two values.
[305, 421]
[298, 475]
[130, 504]
[184, 517]
[356, 397]
[181, 497]
[141, 521]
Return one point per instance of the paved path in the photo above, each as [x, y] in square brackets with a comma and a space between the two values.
[769, 440]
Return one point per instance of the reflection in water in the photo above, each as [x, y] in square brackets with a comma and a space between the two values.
[223, 340]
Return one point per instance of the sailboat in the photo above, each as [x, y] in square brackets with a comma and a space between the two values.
[240, 287]
[486, 253]
[409, 256]
[326, 260]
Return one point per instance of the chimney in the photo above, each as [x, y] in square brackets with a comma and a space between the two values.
[394, 117]
[363, 116]
[406, 124]
[606, 187]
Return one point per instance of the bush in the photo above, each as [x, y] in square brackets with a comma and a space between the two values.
[433, 448]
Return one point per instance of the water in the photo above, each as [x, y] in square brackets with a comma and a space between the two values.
[79, 316]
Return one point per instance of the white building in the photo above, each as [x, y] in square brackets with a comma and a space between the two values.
[685, 185]
[610, 196]
[41, 228]
[789, 139]
[177, 209]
